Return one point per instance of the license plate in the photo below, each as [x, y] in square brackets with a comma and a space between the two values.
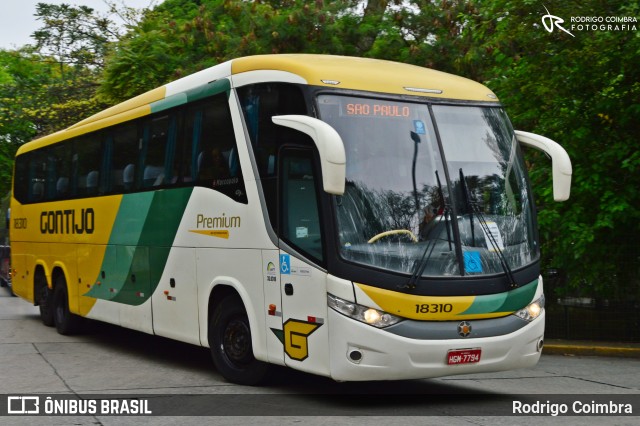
[463, 356]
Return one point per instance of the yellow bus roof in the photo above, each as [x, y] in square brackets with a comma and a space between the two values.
[343, 72]
[373, 75]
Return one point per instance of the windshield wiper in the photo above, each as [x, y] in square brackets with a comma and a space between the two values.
[431, 244]
[416, 140]
[487, 231]
[467, 199]
[420, 266]
[445, 210]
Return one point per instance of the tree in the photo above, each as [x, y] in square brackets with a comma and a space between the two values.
[582, 91]
[180, 37]
[38, 100]
[52, 85]
[73, 34]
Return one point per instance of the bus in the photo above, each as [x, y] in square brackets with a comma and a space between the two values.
[352, 218]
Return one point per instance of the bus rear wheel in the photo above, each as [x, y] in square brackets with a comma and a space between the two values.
[45, 299]
[230, 342]
[66, 322]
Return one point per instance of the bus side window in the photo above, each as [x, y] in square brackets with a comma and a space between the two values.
[21, 182]
[215, 162]
[60, 171]
[37, 176]
[155, 150]
[87, 165]
[124, 157]
[299, 203]
[260, 102]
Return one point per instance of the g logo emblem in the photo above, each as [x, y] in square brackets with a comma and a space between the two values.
[294, 336]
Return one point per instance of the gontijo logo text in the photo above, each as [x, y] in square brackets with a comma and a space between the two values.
[71, 221]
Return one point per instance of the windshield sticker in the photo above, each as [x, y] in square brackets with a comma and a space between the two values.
[472, 263]
[493, 238]
[419, 126]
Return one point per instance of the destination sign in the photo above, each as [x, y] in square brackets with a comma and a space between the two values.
[376, 109]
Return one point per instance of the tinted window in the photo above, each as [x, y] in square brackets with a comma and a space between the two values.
[260, 103]
[148, 153]
[215, 161]
[125, 146]
[300, 215]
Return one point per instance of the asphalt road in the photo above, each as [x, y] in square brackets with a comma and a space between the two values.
[109, 361]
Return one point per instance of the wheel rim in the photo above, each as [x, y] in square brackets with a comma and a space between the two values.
[236, 342]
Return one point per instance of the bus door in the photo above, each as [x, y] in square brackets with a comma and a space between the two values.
[303, 286]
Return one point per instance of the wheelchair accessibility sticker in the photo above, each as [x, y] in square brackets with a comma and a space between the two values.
[285, 264]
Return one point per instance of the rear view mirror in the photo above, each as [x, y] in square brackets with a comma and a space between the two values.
[560, 162]
[329, 144]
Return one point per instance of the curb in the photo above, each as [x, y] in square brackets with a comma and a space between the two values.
[590, 350]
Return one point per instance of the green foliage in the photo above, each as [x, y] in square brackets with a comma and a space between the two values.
[49, 86]
[583, 92]
[40, 98]
[181, 37]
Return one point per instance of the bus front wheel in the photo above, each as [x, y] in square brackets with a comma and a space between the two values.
[230, 342]
[66, 322]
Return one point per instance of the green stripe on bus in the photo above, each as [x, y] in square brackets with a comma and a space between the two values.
[132, 213]
[145, 228]
[170, 102]
[520, 297]
[510, 301]
[192, 95]
[210, 89]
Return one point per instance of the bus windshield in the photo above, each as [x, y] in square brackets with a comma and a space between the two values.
[434, 190]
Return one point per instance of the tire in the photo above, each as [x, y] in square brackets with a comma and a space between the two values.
[66, 322]
[45, 300]
[230, 342]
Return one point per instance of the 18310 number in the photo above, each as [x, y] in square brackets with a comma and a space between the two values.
[433, 308]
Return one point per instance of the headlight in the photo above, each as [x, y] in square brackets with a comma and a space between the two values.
[532, 310]
[361, 313]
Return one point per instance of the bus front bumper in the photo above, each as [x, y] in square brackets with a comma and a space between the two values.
[362, 352]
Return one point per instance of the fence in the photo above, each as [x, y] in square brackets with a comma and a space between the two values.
[590, 318]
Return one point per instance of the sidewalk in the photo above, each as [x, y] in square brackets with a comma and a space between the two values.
[590, 348]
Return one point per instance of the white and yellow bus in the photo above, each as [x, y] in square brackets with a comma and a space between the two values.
[352, 218]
